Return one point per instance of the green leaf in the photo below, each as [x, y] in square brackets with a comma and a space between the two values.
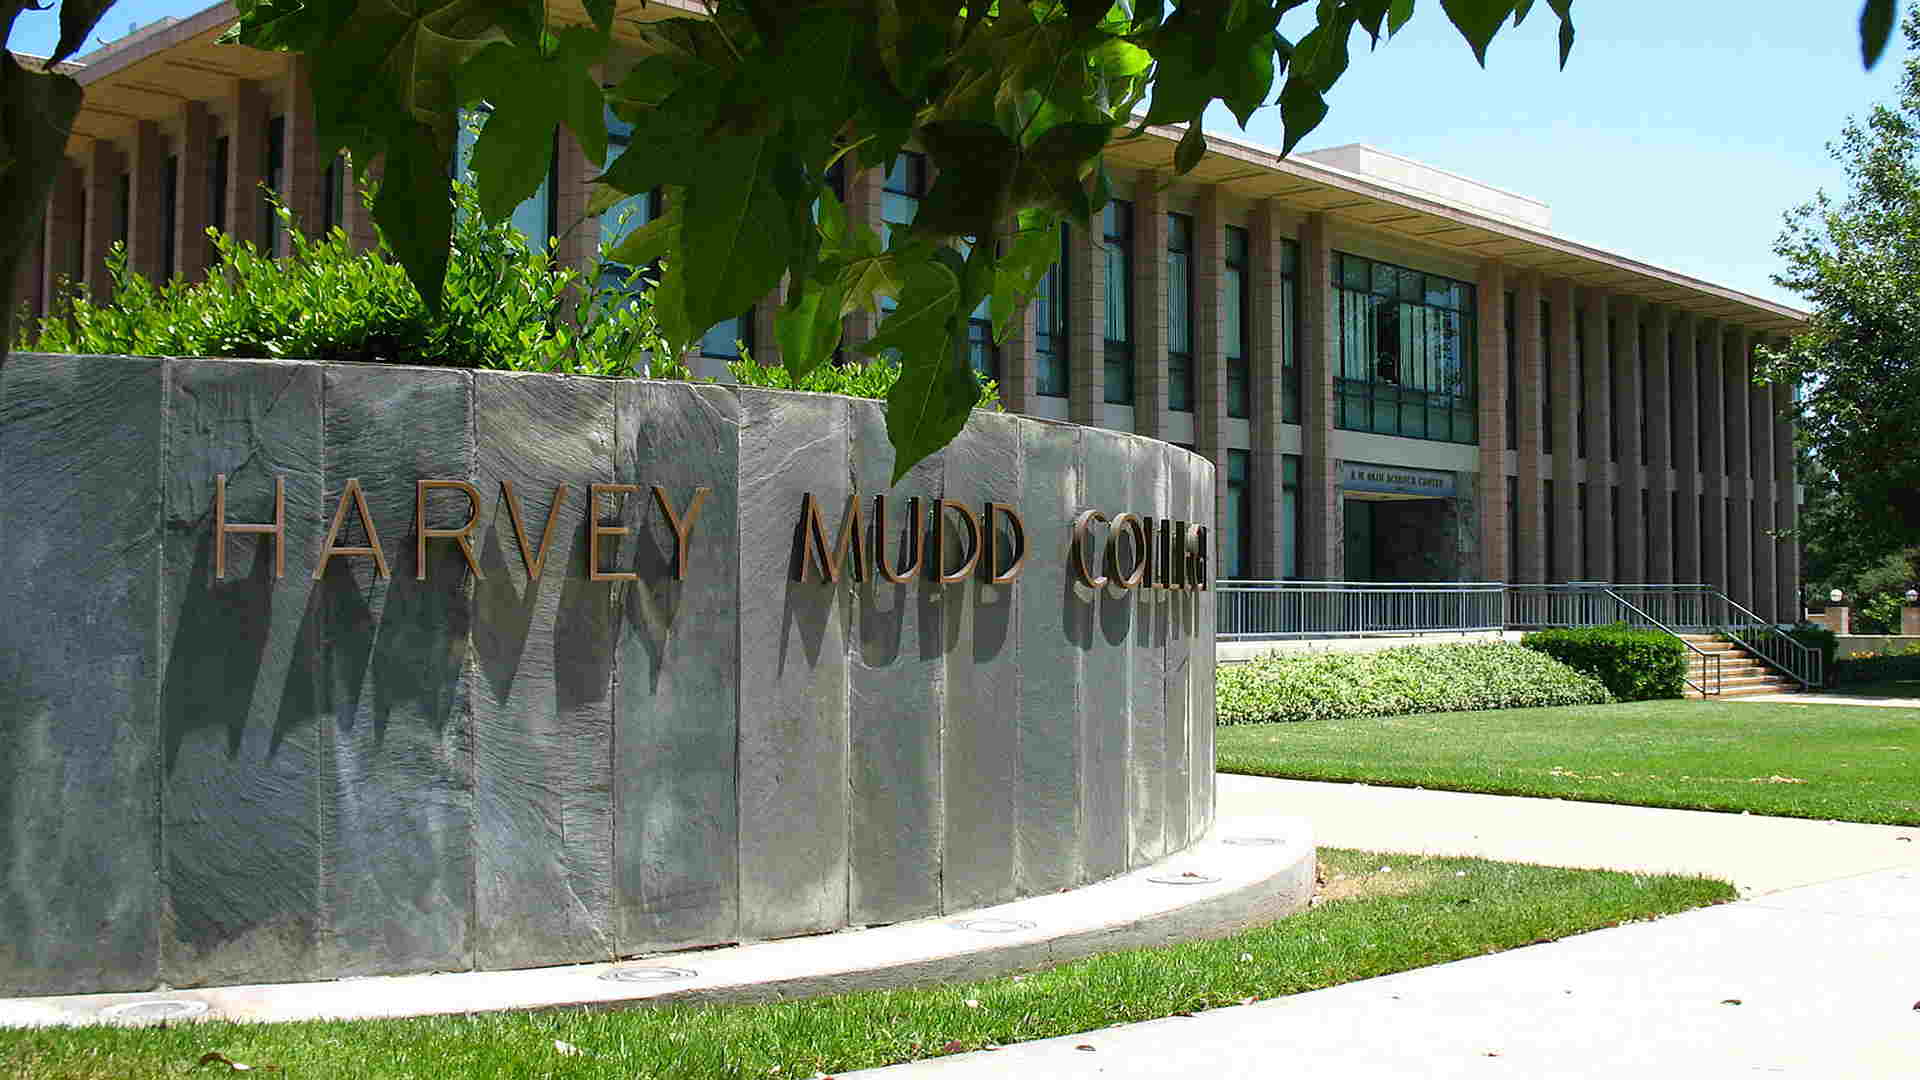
[654, 240]
[414, 212]
[736, 234]
[808, 329]
[1397, 15]
[929, 404]
[77, 19]
[1192, 149]
[601, 12]
[1301, 110]
[1478, 21]
[1876, 26]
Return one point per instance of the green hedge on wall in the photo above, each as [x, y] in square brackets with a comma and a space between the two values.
[1635, 665]
[1393, 682]
[1876, 667]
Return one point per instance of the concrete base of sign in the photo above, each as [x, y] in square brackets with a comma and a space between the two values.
[1252, 871]
[433, 759]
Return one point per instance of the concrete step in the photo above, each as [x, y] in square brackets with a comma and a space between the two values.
[1781, 687]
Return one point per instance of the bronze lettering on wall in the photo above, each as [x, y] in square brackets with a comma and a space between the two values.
[329, 549]
[422, 533]
[1137, 551]
[533, 560]
[221, 527]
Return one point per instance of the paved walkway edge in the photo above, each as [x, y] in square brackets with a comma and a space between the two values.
[1252, 869]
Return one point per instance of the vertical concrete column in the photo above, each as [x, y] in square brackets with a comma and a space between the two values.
[1531, 530]
[1658, 475]
[571, 170]
[1765, 574]
[192, 204]
[1087, 330]
[1320, 511]
[1266, 392]
[1151, 373]
[103, 196]
[146, 218]
[1209, 263]
[1630, 525]
[1688, 565]
[1018, 379]
[1734, 400]
[1565, 412]
[304, 174]
[62, 234]
[1596, 369]
[766, 346]
[246, 160]
[1787, 509]
[1713, 454]
[1491, 320]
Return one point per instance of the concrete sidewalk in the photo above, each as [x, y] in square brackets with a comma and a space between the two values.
[1802, 979]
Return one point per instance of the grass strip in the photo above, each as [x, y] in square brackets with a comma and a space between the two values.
[1378, 914]
[1840, 762]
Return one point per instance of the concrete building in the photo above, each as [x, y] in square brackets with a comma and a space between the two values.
[1400, 373]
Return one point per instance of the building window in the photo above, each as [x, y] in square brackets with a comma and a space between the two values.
[169, 215]
[1513, 528]
[1513, 377]
[1584, 558]
[333, 195]
[1117, 221]
[1179, 313]
[1289, 331]
[1239, 390]
[1237, 559]
[1051, 326]
[1290, 516]
[1406, 351]
[1577, 372]
[901, 192]
[625, 216]
[217, 192]
[1611, 361]
[1546, 378]
[1646, 393]
[1552, 535]
[122, 207]
[726, 339]
[273, 238]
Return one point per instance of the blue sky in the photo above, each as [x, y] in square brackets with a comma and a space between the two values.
[1679, 133]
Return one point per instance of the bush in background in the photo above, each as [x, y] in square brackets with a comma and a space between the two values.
[1814, 636]
[505, 307]
[1394, 682]
[872, 378]
[1635, 665]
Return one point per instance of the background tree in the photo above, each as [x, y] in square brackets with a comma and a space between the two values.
[1857, 261]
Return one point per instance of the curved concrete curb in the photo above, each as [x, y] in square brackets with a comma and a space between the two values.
[1251, 869]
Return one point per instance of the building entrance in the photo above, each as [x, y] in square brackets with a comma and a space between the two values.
[1398, 539]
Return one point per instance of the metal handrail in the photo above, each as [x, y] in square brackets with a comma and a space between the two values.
[1809, 672]
[1277, 610]
[1711, 670]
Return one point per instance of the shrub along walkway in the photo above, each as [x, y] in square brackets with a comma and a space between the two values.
[1813, 981]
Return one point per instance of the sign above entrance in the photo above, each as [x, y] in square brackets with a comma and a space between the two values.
[1396, 480]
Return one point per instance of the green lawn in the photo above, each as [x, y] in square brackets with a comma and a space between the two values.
[1380, 914]
[1850, 762]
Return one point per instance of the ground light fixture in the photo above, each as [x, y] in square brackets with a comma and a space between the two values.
[1913, 596]
[1834, 596]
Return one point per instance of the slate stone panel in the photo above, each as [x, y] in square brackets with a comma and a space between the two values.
[1176, 622]
[397, 778]
[1149, 494]
[1056, 627]
[793, 641]
[1202, 657]
[80, 449]
[240, 708]
[896, 692]
[1106, 667]
[983, 669]
[542, 679]
[677, 702]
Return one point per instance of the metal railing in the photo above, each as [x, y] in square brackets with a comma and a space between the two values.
[1278, 610]
[1275, 610]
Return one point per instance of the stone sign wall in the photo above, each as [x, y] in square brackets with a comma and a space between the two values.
[242, 746]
